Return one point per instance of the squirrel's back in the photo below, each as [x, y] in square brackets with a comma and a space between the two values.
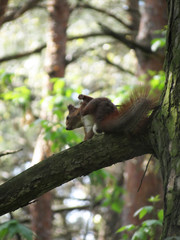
[133, 115]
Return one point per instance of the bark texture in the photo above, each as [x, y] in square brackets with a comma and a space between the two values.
[91, 155]
[166, 127]
[153, 17]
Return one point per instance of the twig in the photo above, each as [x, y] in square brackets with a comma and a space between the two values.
[100, 10]
[21, 55]
[144, 173]
[21, 10]
[9, 152]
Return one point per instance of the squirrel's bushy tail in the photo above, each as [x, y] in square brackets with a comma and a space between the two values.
[133, 115]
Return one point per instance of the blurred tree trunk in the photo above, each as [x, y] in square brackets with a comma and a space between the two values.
[55, 64]
[113, 219]
[153, 17]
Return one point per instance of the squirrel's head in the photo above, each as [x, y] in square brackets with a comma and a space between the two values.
[73, 120]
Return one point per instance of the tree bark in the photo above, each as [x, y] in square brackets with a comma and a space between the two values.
[153, 18]
[82, 159]
[165, 133]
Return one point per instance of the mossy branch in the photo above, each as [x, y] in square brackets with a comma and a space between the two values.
[80, 160]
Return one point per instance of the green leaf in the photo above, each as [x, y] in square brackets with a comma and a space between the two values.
[116, 206]
[151, 222]
[158, 43]
[139, 235]
[154, 198]
[126, 228]
[161, 215]
[25, 232]
[3, 230]
[143, 211]
[12, 227]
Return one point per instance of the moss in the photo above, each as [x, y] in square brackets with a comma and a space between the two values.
[170, 203]
[177, 167]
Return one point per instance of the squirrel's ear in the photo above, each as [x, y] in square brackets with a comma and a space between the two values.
[71, 108]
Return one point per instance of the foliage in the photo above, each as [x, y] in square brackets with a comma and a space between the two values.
[147, 229]
[57, 102]
[159, 42]
[157, 80]
[10, 229]
[112, 194]
[21, 93]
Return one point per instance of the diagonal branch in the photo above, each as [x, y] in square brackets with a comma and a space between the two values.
[7, 152]
[122, 38]
[79, 53]
[87, 35]
[88, 6]
[3, 7]
[21, 55]
[20, 11]
[82, 159]
[116, 65]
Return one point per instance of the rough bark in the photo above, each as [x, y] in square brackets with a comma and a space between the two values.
[101, 151]
[166, 127]
[153, 18]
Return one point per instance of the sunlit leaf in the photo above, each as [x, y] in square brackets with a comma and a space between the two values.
[150, 222]
[139, 235]
[161, 215]
[154, 199]
[126, 228]
[143, 211]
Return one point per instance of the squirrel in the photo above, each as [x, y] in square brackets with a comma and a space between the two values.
[75, 120]
[100, 115]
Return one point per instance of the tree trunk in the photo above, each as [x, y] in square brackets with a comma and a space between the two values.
[166, 127]
[55, 62]
[153, 18]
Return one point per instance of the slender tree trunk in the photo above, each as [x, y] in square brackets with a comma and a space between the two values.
[55, 64]
[154, 17]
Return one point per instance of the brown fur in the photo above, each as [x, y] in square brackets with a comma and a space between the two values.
[132, 116]
[73, 120]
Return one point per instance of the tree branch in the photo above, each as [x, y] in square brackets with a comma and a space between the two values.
[87, 35]
[122, 38]
[21, 55]
[3, 7]
[80, 160]
[17, 13]
[9, 152]
[116, 65]
[79, 53]
[104, 12]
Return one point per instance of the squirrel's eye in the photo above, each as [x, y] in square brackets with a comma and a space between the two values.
[67, 118]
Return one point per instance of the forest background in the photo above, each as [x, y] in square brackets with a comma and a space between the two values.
[51, 51]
